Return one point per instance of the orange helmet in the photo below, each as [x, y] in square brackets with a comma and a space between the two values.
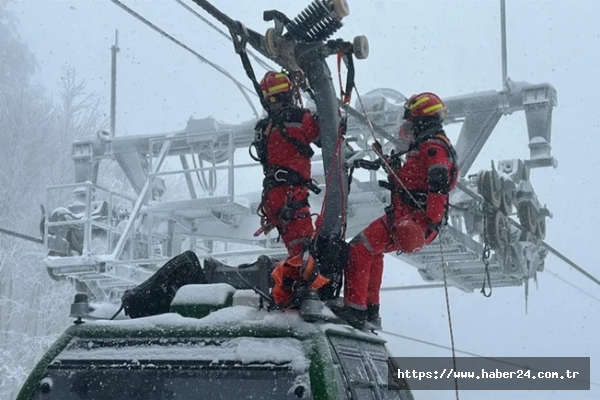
[275, 83]
[424, 105]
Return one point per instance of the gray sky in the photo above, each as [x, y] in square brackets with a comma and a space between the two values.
[447, 47]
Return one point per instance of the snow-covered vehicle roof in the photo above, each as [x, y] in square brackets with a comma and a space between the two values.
[236, 351]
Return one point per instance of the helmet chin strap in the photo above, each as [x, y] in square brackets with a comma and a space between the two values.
[421, 126]
[283, 102]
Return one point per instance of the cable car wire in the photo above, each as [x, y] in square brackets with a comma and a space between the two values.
[21, 236]
[261, 62]
[352, 112]
[244, 89]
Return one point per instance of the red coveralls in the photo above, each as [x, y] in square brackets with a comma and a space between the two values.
[409, 231]
[296, 231]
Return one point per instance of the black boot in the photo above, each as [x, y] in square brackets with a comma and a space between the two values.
[353, 316]
[373, 318]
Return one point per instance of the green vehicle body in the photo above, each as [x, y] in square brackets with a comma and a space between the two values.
[270, 355]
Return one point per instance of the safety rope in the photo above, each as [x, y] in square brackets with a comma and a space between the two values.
[345, 99]
[118, 312]
[254, 288]
[351, 111]
[378, 151]
[449, 316]
[485, 257]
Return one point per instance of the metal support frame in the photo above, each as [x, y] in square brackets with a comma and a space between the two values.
[140, 201]
[113, 84]
[478, 112]
[503, 41]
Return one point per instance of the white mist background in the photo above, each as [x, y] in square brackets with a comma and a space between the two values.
[450, 48]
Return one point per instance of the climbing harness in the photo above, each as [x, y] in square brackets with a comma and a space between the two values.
[274, 176]
[329, 253]
[265, 127]
[414, 198]
[417, 198]
[378, 151]
[239, 43]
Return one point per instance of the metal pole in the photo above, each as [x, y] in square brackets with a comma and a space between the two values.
[140, 200]
[113, 83]
[318, 74]
[503, 38]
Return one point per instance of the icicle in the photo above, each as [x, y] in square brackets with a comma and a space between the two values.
[526, 294]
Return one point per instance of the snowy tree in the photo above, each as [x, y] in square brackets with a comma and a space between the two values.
[36, 133]
[17, 63]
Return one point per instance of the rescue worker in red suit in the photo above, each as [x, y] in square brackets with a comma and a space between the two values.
[283, 146]
[418, 206]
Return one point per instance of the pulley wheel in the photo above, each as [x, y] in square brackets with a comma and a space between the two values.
[541, 228]
[490, 190]
[507, 203]
[270, 36]
[527, 217]
[360, 47]
[497, 230]
[341, 8]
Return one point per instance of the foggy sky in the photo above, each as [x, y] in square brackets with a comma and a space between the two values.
[450, 48]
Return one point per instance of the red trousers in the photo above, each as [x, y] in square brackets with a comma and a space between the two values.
[365, 265]
[294, 224]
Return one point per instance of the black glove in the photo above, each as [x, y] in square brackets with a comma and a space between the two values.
[433, 227]
[376, 146]
[366, 164]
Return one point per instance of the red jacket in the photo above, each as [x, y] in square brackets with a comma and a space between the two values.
[299, 124]
[428, 170]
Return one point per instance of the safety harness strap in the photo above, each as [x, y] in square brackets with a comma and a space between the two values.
[349, 61]
[278, 176]
[417, 198]
[303, 148]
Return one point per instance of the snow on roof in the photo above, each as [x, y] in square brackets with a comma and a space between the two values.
[106, 310]
[224, 318]
[213, 294]
[235, 317]
[246, 297]
[245, 350]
